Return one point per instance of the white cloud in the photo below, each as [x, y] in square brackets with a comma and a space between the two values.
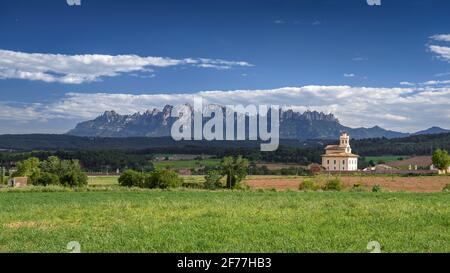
[441, 37]
[349, 75]
[443, 52]
[442, 74]
[77, 69]
[359, 59]
[427, 83]
[405, 109]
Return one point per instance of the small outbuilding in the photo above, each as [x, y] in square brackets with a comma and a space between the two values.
[18, 182]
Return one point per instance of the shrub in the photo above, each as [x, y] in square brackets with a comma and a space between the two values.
[446, 188]
[308, 185]
[333, 185]
[163, 179]
[47, 179]
[130, 178]
[376, 188]
[358, 187]
[212, 180]
[74, 179]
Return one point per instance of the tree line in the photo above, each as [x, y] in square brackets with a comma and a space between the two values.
[52, 171]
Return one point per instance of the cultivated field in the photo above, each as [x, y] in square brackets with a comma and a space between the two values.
[123, 220]
[186, 164]
[387, 158]
[388, 183]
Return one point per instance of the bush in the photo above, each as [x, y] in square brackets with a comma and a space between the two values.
[333, 185]
[163, 179]
[376, 188]
[74, 179]
[130, 178]
[212, 180]
[358, 187]
[47, 179]
[308, 185]
[446, 188]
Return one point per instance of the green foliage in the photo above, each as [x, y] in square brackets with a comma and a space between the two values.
[446, 188]
[441, 159]
[358, 187]
[333, 185]
[163, 179]
[131, 178]
[187, 164]
[376, 188]
[235, 170]
[52, 171]
[212, 180]
[29, 168]
[46, 179]
[308, 185]
[74, 178]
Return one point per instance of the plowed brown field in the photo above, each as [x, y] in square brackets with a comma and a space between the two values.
[393, 184]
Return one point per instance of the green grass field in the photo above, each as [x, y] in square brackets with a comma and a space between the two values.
[386, 158]
[124, 220]
[103, 180]
[186, 164]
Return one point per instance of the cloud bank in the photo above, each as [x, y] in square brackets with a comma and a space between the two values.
[404, 109]
[77, 69]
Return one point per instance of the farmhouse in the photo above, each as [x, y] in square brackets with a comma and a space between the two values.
[340, 157]
[415, 163]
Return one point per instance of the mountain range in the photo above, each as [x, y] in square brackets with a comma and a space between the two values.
[293, 125]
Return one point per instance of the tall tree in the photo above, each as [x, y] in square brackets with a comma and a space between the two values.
[235, 170]
[29, 168]
[441, 160]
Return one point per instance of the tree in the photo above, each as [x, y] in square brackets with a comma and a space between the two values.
[441, 160]
[47, 179]
[52, 165]
[131, 178]
[235, 170]
[29, 168]
[163, 179]
[70, 174]
[212, 180]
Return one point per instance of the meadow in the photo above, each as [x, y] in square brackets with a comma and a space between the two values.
[386, 158]
[186, 164]
[132, 220]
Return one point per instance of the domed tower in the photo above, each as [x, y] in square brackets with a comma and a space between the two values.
[345, 142]
[340, 157]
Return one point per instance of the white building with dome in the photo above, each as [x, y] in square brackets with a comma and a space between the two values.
[340, 157]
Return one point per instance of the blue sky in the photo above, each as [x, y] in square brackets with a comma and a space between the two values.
[388, 52]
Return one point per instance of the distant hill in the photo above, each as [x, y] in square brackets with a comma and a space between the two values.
[156, 123]
[412, 145]
[432, 131]
[68, 142]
